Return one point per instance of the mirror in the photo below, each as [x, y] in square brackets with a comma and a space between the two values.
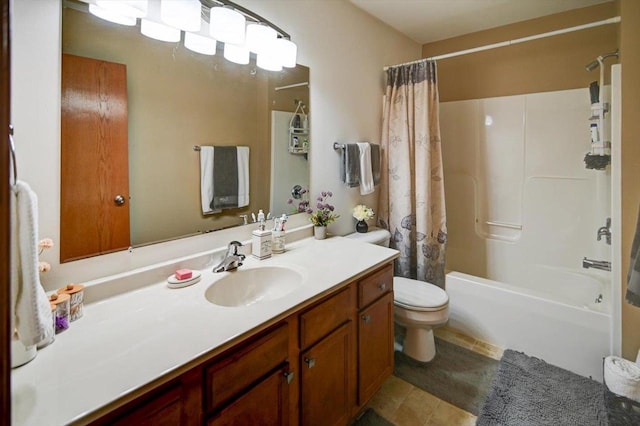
[176, 100]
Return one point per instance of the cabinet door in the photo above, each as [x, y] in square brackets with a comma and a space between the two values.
[267, 404]
[375, 346]
[163, 409]
[328, 384]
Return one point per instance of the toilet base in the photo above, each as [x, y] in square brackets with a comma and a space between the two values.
[419, 344]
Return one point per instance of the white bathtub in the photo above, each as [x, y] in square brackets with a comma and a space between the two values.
[552, 314]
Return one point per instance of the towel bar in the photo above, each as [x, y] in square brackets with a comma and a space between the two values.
[196, 148]
[337, 145]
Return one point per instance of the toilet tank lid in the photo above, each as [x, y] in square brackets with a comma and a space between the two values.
[419, 294]
[374, 236]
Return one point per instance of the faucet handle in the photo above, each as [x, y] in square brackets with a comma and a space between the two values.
[235, 244]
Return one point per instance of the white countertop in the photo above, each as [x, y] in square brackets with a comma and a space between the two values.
[128, 340]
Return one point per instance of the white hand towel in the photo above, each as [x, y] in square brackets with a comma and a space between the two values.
[30, 306]
[622, 377]
[243, 176]
[206, 178]
[366, 174]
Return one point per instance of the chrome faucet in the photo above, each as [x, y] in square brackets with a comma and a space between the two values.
[232, 259]
[605, 231]
[596, 264]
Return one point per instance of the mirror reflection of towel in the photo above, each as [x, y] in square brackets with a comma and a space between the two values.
[224, 178]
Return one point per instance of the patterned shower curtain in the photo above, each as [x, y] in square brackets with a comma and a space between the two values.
[411, 204]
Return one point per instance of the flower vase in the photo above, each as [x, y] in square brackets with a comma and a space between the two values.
[362, 227]
[320, 232]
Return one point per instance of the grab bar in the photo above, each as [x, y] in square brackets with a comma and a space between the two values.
[504, 225]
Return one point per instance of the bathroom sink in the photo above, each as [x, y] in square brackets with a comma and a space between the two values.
[246, 287]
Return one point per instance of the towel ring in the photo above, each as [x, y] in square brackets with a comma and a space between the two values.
[12, 148]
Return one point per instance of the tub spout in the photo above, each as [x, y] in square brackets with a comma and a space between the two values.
[596, 264]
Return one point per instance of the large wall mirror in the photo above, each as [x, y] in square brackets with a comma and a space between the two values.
[172, 100]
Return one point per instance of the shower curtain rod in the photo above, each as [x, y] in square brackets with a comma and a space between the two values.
[613, 20]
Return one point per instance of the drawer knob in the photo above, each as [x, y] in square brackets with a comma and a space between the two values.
[382, 286]
[366, 319]
[289, 376]
[311, 362]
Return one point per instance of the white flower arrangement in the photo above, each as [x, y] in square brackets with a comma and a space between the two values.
[43, 245]
[362, 212]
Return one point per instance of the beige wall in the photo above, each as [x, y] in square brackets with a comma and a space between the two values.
[630, 58]
[554, 63]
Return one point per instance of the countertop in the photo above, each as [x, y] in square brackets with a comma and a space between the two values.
[128, 340]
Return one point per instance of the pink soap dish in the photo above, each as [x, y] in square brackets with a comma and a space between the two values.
[173, 282]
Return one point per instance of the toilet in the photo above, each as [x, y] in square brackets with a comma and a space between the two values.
[418, 306]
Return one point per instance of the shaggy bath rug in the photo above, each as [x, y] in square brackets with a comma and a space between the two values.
[456, 375]
[527, 391]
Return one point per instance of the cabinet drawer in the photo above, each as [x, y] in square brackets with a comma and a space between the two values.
[375, 285]
[325, 317]
[245, 366]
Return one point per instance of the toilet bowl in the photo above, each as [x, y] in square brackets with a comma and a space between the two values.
[418, 306]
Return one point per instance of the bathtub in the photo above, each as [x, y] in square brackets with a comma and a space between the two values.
[558, 315]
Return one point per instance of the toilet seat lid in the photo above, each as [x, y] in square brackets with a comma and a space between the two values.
[418, 295]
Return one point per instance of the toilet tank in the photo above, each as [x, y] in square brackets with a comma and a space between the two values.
[374, 236]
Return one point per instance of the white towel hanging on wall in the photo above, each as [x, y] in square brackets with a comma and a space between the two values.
[30, 306]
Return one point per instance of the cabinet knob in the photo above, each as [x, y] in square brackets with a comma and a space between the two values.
[311, 362]
[382, 286]
[366, 319]
[289, 375]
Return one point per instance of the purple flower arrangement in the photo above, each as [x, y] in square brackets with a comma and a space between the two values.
[323, 215]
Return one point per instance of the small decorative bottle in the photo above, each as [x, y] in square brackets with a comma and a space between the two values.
[261, 239]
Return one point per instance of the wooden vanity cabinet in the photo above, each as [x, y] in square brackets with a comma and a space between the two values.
[375, 332]
[327, 361]
[317, 366]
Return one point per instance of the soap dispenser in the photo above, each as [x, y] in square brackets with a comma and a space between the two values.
[261, 239]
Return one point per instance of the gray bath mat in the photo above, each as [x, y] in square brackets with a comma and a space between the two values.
[456, 375]
[371, 418]
[527, 391]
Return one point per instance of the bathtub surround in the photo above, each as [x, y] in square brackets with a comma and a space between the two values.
[566, 332]
[457, 375]
[633, 277]
[412, 205]
[529, 391]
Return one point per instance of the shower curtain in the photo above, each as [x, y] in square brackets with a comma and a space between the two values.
[411, 204]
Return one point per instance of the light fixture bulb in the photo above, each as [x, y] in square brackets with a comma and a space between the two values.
[200, 44]
[287, 51]
[182, 14]
[111, 16]
[130, 8]
[269, 58]
[227, 25]
[259, 36]
[159, 31]
[268, 62]
[238, 54]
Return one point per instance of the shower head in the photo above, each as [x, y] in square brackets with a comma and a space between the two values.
[594, 64]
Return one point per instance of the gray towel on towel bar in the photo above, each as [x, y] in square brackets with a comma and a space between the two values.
[633, 277]
[375, 163]
[350, 165]
[225, 178]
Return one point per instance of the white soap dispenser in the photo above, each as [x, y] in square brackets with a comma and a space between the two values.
[261, 239]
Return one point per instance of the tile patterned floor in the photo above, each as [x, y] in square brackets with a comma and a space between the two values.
[406, 405]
